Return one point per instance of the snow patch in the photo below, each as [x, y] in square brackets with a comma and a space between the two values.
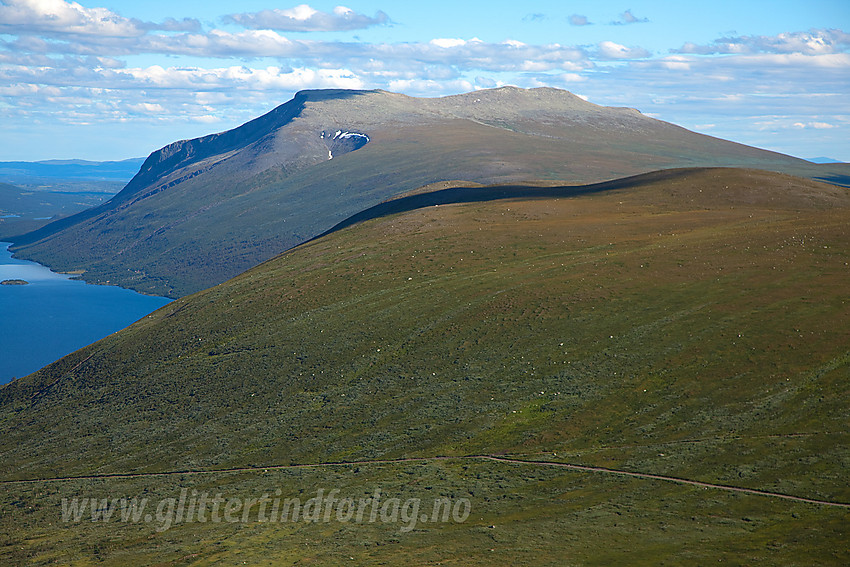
[343, 135]
[343, 141]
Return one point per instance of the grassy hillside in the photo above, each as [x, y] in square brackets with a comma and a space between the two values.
[688, 323]
[202, 211]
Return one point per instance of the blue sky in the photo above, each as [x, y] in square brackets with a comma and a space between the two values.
[116, 79]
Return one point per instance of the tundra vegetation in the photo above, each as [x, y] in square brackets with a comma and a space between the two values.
[690, 324]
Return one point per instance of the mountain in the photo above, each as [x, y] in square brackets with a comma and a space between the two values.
[201, 211]
[824, 160]
[465, 343]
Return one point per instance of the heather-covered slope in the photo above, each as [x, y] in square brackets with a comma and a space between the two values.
[688, 323]
[201, 211]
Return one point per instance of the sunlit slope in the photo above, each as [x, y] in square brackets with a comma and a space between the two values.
[201, 211]
[609, 327]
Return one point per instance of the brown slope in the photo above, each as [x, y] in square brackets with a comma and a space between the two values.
[697, 285]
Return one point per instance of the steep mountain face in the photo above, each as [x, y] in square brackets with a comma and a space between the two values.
[200, 211]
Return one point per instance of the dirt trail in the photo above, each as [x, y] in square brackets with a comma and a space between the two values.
[668, 479]
[493, 458]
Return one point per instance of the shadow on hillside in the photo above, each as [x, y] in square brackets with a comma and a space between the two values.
[835, 179]
[456, 195]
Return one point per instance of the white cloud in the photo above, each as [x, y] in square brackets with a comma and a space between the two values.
[572, 78]
[268, 79]
[513, 43]
[611, 50]
[60, 17]
[206, 119]
[448, 43]
[304, 18]
[429, 87]
[197, 84]
[628, 18]
[675, 63]
[813, 42]
[454, 53]
[778, 60]
[815, 125]
[147, 108]
[301, 13]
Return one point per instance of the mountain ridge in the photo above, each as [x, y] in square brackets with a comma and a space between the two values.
[200, 211]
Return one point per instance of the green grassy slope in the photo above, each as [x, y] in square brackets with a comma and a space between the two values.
[202, 211]
[686, 323]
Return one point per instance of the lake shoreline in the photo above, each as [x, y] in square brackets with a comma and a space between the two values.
[53, 314]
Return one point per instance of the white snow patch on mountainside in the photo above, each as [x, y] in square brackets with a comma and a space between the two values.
[343, 141]
[342, 135]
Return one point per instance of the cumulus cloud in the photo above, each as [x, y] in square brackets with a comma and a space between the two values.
[267, 79]
[428, 87]
[52, 17]
[157, 94]
[578, 20]
[459, 53]
[448, 43]
[304, 18]
[813, 42]
[628, 18]
[218, 43]
[610, 50]
[58, 18]
[194, 79]
[815, 125]
[147, 108]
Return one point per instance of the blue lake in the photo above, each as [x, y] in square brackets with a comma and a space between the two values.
[54, 315]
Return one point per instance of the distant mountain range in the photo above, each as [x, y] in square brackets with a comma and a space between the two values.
[32, 193]
[201, 211]
[25, 171]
